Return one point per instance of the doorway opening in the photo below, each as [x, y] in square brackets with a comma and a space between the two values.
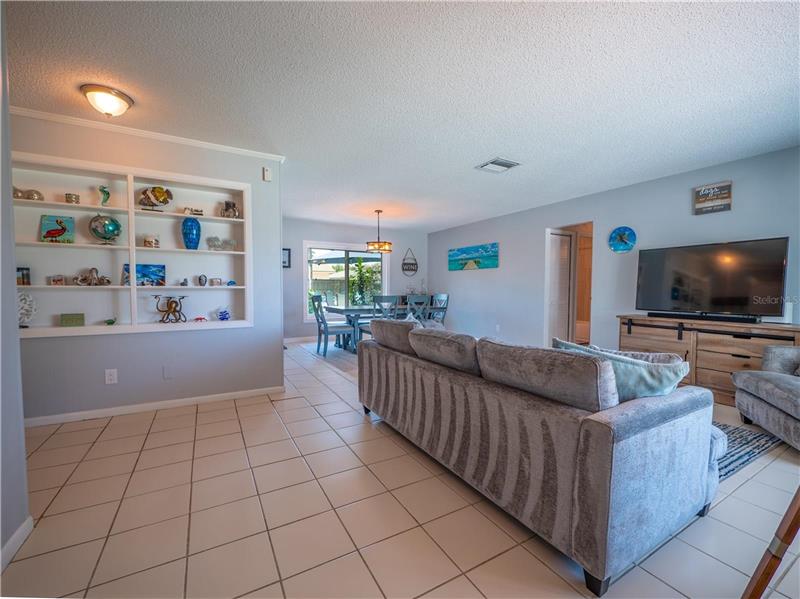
[568, 282]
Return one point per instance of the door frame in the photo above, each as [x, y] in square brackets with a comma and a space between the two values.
[573, 275]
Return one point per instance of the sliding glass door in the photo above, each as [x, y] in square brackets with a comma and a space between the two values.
[343, 277]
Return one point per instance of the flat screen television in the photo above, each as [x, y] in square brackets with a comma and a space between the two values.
[743, 278]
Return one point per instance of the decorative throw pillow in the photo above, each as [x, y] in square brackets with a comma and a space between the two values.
[411, 318]
[572, 378]
[394, 333]
[655, 357]
[634, 377]
[453, 350]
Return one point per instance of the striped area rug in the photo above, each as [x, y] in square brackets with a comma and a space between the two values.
[744, 446]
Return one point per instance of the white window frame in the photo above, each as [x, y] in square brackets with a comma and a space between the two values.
[332, 245]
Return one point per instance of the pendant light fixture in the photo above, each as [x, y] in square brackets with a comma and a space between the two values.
[107, 100]
[378, 246]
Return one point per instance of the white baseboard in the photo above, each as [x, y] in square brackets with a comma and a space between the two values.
[15, 542]
[298, 339]
[144, 407]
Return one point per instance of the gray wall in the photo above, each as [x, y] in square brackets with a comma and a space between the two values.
[296, 230]
[201, 362]
[14, 491]
[766, 203]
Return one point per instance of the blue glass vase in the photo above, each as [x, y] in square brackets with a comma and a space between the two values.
[191, 233]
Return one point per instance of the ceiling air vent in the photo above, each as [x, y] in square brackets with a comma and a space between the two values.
[497, 165]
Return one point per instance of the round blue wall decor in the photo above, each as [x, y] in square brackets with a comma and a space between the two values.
[622, 240]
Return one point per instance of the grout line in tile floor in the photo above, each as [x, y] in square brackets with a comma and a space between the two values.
[116, 513]
[384, 432]
[189, 519]
[349, 536]
[261, 507]
[61, 488]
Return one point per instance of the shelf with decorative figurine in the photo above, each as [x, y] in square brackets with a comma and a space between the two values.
[197, 252]
[172, 230]
[25, 203]
[71, 246]
[141, 213]
[64, 287]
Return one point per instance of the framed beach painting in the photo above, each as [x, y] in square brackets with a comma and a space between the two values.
[474, 257]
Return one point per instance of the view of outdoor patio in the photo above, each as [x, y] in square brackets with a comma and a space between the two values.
[343, 278]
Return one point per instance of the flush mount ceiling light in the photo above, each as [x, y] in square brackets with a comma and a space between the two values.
[497, 165]
[107, 100]
[378, 246]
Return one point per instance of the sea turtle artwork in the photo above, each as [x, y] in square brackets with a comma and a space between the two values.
[104, 194]
[153, 198]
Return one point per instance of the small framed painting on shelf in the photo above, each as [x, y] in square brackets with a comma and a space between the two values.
[147, 275]
[76, 319]
[286, 257]
[23, 275]
[57, 229]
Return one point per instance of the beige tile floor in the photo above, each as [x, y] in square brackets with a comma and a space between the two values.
[301, 495]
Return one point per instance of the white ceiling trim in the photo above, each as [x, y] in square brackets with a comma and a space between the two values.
[207, 145]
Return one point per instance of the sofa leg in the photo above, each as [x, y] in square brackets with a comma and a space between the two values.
[745, 419]
[704, 511]
[367, 410]
[595, 585]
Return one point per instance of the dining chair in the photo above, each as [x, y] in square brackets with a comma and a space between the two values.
[343, 332]
[417, 306]
[383, 306]
[438, 309]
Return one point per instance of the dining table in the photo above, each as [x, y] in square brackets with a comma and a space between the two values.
[354, 314]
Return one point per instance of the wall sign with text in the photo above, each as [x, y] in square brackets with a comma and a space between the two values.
[410, 265]
[716, 197]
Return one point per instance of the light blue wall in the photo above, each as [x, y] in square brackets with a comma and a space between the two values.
[14, 491]
[66, 374]
[766, 203]
[297, 230]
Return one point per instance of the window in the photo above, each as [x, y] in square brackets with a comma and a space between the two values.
[343, 274]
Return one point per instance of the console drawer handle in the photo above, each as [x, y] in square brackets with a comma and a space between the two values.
[741, 356]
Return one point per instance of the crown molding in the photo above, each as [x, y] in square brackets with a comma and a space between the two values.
[79, 122]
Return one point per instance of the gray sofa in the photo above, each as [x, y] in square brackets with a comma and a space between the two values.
[771, 397]
[541, 433]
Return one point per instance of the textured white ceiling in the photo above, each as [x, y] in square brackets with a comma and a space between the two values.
[392, 105]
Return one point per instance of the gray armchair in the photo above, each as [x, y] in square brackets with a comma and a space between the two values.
[770, 398]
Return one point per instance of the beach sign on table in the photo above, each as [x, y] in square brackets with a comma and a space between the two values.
[474, 257]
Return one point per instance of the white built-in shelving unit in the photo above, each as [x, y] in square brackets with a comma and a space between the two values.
[132, 306]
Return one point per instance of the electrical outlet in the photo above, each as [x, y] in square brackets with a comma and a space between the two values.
[266, 174]
[111, 376]
[497, 328]
[166, 373]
